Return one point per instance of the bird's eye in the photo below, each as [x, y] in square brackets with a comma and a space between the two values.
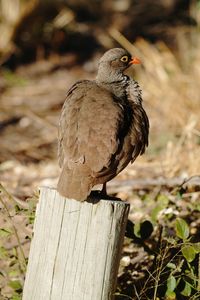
[124, 58]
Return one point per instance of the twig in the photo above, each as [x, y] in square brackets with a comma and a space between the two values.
[198, 286]
[9, 218]
[130, 184]
[136, 293]
[123, 41]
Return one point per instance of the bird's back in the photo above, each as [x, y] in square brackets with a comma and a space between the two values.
[89, 135]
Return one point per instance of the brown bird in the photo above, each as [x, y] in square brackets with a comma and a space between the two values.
[102, 128]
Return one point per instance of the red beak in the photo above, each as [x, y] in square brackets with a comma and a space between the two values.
[135, 61]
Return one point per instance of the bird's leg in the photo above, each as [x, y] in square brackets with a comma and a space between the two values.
[103, 194]
[104, 191]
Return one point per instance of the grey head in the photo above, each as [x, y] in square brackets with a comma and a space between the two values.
[112, 65]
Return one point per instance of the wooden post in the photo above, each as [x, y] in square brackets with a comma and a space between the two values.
[76, 248]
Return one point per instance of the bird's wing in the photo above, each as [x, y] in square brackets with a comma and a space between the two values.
[89, 126]
[139, 131]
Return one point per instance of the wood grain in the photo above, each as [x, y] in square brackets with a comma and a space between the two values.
[76, 249]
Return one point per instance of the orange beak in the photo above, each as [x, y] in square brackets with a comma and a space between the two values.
[135, 61]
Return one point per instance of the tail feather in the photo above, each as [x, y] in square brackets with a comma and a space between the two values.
[75, 183]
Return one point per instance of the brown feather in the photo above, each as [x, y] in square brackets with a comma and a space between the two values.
[102, 127]
[88, 128]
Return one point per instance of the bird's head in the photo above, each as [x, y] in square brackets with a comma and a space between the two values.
[113, 63]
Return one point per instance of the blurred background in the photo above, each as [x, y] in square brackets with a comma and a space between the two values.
[47, 45]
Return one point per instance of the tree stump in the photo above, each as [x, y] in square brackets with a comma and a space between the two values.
[76, 248]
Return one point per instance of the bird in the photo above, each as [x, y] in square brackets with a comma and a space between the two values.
[102, 128]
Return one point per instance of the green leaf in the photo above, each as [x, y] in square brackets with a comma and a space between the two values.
[171, 284]
[171, 266]
[182, 229]
[162, 203]
[196, 247]
[187, 290]
[16, 285]
[18, 208]
[137, 230]
[3, 253]
[14, 273]
[16, 297]
[188, 252]
[5, 232]
[170, 296]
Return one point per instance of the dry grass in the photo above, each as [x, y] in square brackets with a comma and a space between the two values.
[171, 97]
[171, 92]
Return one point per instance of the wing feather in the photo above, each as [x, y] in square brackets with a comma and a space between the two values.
[89, 126]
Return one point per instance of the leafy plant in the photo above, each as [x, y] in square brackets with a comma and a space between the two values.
[12, 246]
[174, 271]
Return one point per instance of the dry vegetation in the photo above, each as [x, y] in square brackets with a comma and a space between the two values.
[31, 100]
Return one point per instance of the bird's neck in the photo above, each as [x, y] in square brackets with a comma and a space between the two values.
[119, 84]
[115, 82]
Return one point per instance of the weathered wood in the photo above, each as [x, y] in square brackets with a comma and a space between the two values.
[76, 249]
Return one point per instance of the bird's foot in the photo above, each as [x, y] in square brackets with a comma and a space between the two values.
[101, 195]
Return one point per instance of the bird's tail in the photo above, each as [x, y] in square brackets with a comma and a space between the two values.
[75, 183]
